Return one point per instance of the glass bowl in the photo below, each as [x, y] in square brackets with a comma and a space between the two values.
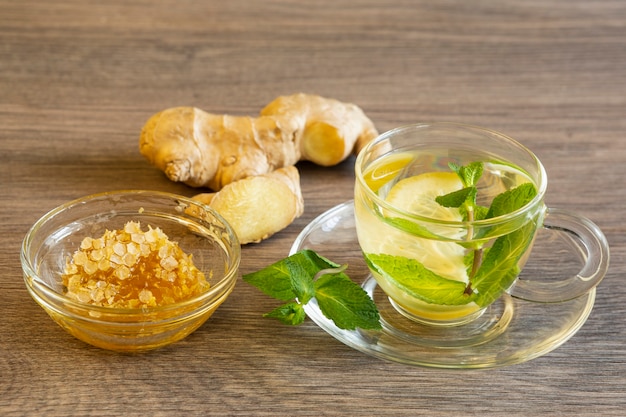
[197, 229]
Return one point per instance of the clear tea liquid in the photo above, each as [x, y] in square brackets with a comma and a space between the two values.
[427, 254]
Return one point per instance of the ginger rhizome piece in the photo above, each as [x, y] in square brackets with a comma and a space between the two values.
[259, 206]
[131, 268]
[209, 150]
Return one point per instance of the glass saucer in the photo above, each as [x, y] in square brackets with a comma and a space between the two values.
[510, 331]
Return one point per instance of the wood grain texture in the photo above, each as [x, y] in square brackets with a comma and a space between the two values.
[78, 78]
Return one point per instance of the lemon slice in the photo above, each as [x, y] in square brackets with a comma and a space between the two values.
[417, 195]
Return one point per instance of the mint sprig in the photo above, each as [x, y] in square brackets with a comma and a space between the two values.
[496, 269]
[465, 200]
[306, 275]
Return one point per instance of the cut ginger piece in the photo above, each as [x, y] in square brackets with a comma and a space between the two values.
[257, 207]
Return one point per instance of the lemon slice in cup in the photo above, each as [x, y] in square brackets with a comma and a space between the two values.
[416, 195]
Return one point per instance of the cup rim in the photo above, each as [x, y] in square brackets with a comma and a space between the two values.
[537, 201]
[214, 292]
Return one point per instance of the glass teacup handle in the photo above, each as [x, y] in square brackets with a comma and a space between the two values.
[591, 247]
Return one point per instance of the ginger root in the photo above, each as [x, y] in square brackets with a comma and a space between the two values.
[259, 206]
[208, 150]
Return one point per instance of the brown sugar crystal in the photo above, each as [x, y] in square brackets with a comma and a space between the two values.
[131, 268]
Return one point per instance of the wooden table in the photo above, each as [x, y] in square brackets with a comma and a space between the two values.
[78, 79]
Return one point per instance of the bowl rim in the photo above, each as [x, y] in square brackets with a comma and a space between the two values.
[225, 284]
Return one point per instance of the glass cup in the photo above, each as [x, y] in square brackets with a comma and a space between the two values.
[444, 248]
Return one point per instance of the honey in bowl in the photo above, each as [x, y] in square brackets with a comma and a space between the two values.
[132, 268]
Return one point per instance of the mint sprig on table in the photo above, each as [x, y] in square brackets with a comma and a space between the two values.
[306, 275]
[490, 269]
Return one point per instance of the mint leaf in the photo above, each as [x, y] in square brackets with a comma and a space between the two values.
[512, 200]
[405, 225]
[410, 227]
[290, 313]
[412, 277]
[506, 203]
[500, 266]
[456, 199]
[346, 303]
[276, 281]
[273, 281]
[301, 281]
[469, 174]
